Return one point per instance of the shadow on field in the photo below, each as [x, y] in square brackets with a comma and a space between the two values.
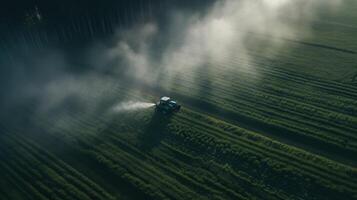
[154, 132]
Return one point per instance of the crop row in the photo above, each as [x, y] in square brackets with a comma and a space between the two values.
[299, 112]
[172, 166]
[244, 92]
[38, 163]
[78, 121]
[234, 84]
[267, 105]
[263, 112]
[168, 168]
[232, 70]
[269, 68]
[285, 125]
[90, 126]
[253, 160]
[283, 157]
[279, 151]
[130, 157]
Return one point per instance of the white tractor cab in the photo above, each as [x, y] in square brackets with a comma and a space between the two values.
[167, 106]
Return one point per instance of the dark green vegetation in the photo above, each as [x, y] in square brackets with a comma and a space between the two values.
[283, 128]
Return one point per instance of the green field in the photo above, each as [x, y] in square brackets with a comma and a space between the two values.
[283, 128]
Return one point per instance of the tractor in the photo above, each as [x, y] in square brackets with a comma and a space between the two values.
[167, 106]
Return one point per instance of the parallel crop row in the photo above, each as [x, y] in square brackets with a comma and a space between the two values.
[313, 118]
[266, 163]
[64, 181]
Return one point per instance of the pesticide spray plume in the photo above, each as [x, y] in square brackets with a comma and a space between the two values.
[227, 30]
[157, 52]
[131, 106]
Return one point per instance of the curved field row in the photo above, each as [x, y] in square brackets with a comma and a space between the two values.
[222, 76]
[243, 185]
[268, 71]
[22, 185]
[219, 176]
[287, 172]
[243, 91]
[202, 130]
[116, 157]
[219, 101]
[171, 167]
[54, 172]
[38, 188]
[305, 130]
[104, 147]
[74, 130]
[316, 97]
[254, 140]
[271, 178]
[283, 106]
[46, 168]
[288, 124]
[274, 152]
[269, 68]
[350, 131]
[313, 176]
[89, 187]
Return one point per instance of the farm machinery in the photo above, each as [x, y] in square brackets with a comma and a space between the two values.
[167, 106]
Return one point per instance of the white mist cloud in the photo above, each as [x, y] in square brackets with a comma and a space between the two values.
[84, 90]
[214, 37]
[188, 42]
[133, 52]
